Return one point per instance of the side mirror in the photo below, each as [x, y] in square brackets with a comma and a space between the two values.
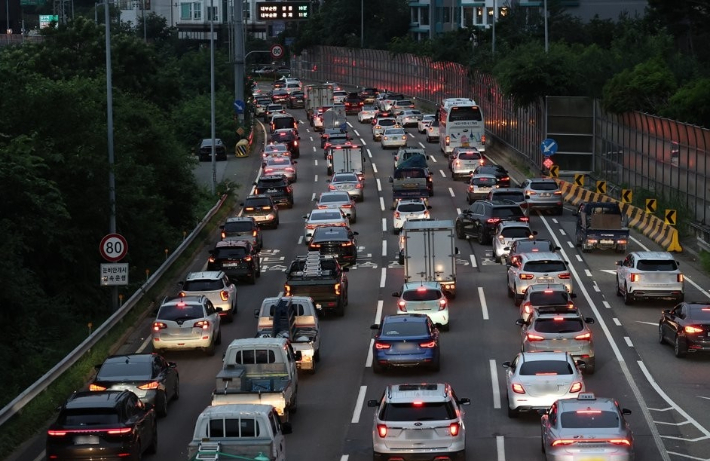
[373, 403]
[527, 197]
[241, 204]
[588, 320]
[534, 233]
[286, 428]
[556, 249]
[581, 364]
[345, 269]
[256, 313]
[506, 364]
[221, 227]
[456, 250]
[428, 207]
[666, 311]
[218, 309]
[396, 294]
[573, 295]
[625, 411]
[305, 216]
[521, 322]
[172, 365]
[254, 183]
[464, 401]
[619, 263]
[391, 179]
[356, 233]
[375, 326]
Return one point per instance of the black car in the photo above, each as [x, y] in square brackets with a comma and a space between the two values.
[263, 209]
[289, 137]
[277, 187]
[236, 258]
[482, 217]
[280, 96]
[332, 133]
[531, 245]
[297, 100]
[152, 378]
[204, 150]
[115, 424]
[353, 104]
[686, 327]
[336, 241]
[501, 174]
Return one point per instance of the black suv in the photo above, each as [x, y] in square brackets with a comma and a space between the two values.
[204, 150]
[289, 137]
[242, 228]
[115, 424]
[501, 174]
[236, 258]
[483, 216]
[336, 241]
[263, 209]
[277, 187]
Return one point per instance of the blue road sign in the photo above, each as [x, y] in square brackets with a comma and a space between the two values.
[238, 106]
[548, 147]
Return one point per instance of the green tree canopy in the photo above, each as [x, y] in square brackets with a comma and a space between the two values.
[646, 88]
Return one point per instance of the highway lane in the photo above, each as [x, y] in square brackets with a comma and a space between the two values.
[333, 421]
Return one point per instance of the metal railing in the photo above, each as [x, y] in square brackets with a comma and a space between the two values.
[45, 381]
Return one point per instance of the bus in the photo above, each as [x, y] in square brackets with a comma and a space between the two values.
[461, 125]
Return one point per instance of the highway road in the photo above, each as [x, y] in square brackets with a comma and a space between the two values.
[669, 397]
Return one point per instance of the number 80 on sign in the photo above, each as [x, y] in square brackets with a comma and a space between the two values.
[113, 247]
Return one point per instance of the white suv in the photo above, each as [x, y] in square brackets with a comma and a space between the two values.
[216, 286]
[535, 268]
[419, 420]
[649, 275]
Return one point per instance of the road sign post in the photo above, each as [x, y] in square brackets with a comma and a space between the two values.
[113, 247]
[277, 51]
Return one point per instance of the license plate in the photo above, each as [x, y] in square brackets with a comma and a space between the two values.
[230, 265]
[593, 458]
[545, 194]
[483, 189]
[86, 440]
[464, 144]
[406, 347]
[545, 279]
[607, 242]
[411, 186]
[272, 190]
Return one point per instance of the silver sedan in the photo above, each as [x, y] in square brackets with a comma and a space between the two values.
[366, 114]
[409, 117]
[281, 165]
[317, 218]
[393, 137]
[338, 199]
[424, 122]
[348, 182]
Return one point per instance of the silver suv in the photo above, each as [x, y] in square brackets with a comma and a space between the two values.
[543, 194]
[419, 421]
[216, 286]
[187, 322]
[649, 275]
[535, 268]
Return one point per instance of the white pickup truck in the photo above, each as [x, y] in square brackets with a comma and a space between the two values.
[259, 371]
[294, 318]
[247, 431]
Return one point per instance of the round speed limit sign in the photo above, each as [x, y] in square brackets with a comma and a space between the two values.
[277, 51]
[113, 247]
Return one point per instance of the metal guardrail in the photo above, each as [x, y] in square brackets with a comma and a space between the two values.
[43, 383]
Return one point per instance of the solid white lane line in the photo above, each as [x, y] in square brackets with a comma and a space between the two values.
[384, 248]
[645, 248]
[473, 261]
[379, 185]
[500, 447]
[494, 383]
[484, 305]
[384, 224]
[443, 175]
[606, 304]
[383, 277]
[378, 311]
[587, 272]
[374, 168]
[451, 191]
[697, 286]
[617, 353]
[344, 458]
[617, 322]
[362, 141]
[358, 405]
[628, 341]
[382, 204]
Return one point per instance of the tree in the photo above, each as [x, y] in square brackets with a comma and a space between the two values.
[646, 88]
[691, 103]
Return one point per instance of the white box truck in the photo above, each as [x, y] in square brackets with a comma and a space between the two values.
[429, 254]
[317, 96]
[346, 158]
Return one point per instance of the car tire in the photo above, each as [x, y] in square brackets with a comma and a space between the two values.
[481, 237]
[312, 370]
[459, 232]
[679, 350]
[176, 391]
[512, 413]
[511, 293]
[436, 364]
[445, 327]
[218, 340]
[661, 339]
[377, 368]
[680, 298]
[252, 277]
[153, 447]
[229, 317]
[161, 404]
[316, 356]
[628, 296]
[618, 288]
[340, 309]
[590, 366]
[560, 211]
[497, 258]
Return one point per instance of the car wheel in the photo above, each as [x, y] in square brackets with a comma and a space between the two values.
[293, 408]
[445, 327]
[590, 366]
[680, 298]
[428, 139]
[511, 293]
[560, 211]
[628, 296]
[497, 258]
[481, 237]
[353, 220]
[340, 309]
[459, 232]
[161, 404]
[512, 413]
[618, 288]
[436, 364]
[218, 341]
[138, 455]
[176, 391]
[258, 271]
[316, 356]
[252, 277]
[153, 447]
[276, 224]
[542, 444]
[210, 350]
[661, 339]
[312, 370]
[678, 349]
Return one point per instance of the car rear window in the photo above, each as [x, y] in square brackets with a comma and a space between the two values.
[86, 417]
[202, 285]
[275, 182]
[257, 203]
[126, 368]
[421, 295]
[545, 266]
[335, 198]
[699, 312]
[514, 196]
[546, 367]
[327, 216]
[553, 298]
[427, 411]
[586, 419]
[185, 312]
[411, 207]
[543, 185]
[469, 156]
[387, 122]
[230, 253]
[324, 235]
[345, 178]
[516, 232]
[659, 265]
[405, 329]
[531, 247]
[238, 226]
[507, 212]
[559, 325]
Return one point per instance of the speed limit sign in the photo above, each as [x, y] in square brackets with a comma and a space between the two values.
[113, 247]
[277, 51]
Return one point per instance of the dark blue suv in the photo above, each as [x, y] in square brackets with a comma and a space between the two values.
[405, 340]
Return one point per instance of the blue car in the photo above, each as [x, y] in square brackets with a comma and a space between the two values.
[405, 340]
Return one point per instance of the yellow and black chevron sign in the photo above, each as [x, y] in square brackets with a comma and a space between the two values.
[651, 205]
[555, 171]
[579, 180]
[671, 217]
[601, 187]
[627, 196]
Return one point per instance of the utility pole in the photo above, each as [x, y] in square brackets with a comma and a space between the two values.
[362, 24]
[109, 124]
[239, 52]
[495, 15]
[212, 101]
[546, 42]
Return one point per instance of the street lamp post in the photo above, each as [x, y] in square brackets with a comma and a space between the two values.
[493, 45]
[7, 20]
[545, 8]
[212, 100]
[145, 33]
[362, 24]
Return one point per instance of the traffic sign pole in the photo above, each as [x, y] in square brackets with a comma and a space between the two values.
[277, 51]
[113, 247]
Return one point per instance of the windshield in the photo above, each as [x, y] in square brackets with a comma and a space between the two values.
[181, 311]
[514, 196]
[516, 232]
[405, 329]
[326, 216]
[230, 253]
[120, 368]
[507, 212]
[543, 185]
[334, 198]
[551, 298]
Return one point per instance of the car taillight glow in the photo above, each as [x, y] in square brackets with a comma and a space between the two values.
[534, 337]
[575, 387]
[680, 278]
[563, 442]
[622, 442]
[518, 388]
[157, 326]
[331, 187]
[454, 429]
[96, 387]
[119, 431]
[379, 345]
[314, 245]
[428, 345]
[565, 276]
[224, 235]
[224, 295]
[287, 290]
[527, 308]
[557, 192]
[396, 215]
[526, 276]
[402, 305]
[692, 330]
[584, 337]
[635, 277]
[358, 186]
[447, 140]
[442, 304]
[337, 288]
[382, 430]
[531, 192]
[493, 220]
[150, 386]
[204, 324]
[247, 258]
[524, 219]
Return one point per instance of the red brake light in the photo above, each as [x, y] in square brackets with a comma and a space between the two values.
[454, 429]
[157, 326]
[402, 306]
[224, 295]
[534, 337]
[204, 324]
[442, 304]
[680, 278]
[518, 388]
[421, 289]
[224, 235]
[428, 345]
[493, 220]
[337, 288]
[584, 337]
[123, 430]
[560, 442]
[382, 430]
[396, 215]
[635, 277]
[576, 387]
[96, 387]
[526, 276]
[692, 330]
[247, 258]
[564, 276]
[149, 386]
[623, 442]
[52, 433]
[379, 345]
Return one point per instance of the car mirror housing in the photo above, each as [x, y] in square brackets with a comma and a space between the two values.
[373, 403]
[589, 320]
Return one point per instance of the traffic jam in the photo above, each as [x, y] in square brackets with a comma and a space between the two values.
[414, 298]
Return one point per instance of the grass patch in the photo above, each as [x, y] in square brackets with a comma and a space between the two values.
[705, 261]
[33, 418]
